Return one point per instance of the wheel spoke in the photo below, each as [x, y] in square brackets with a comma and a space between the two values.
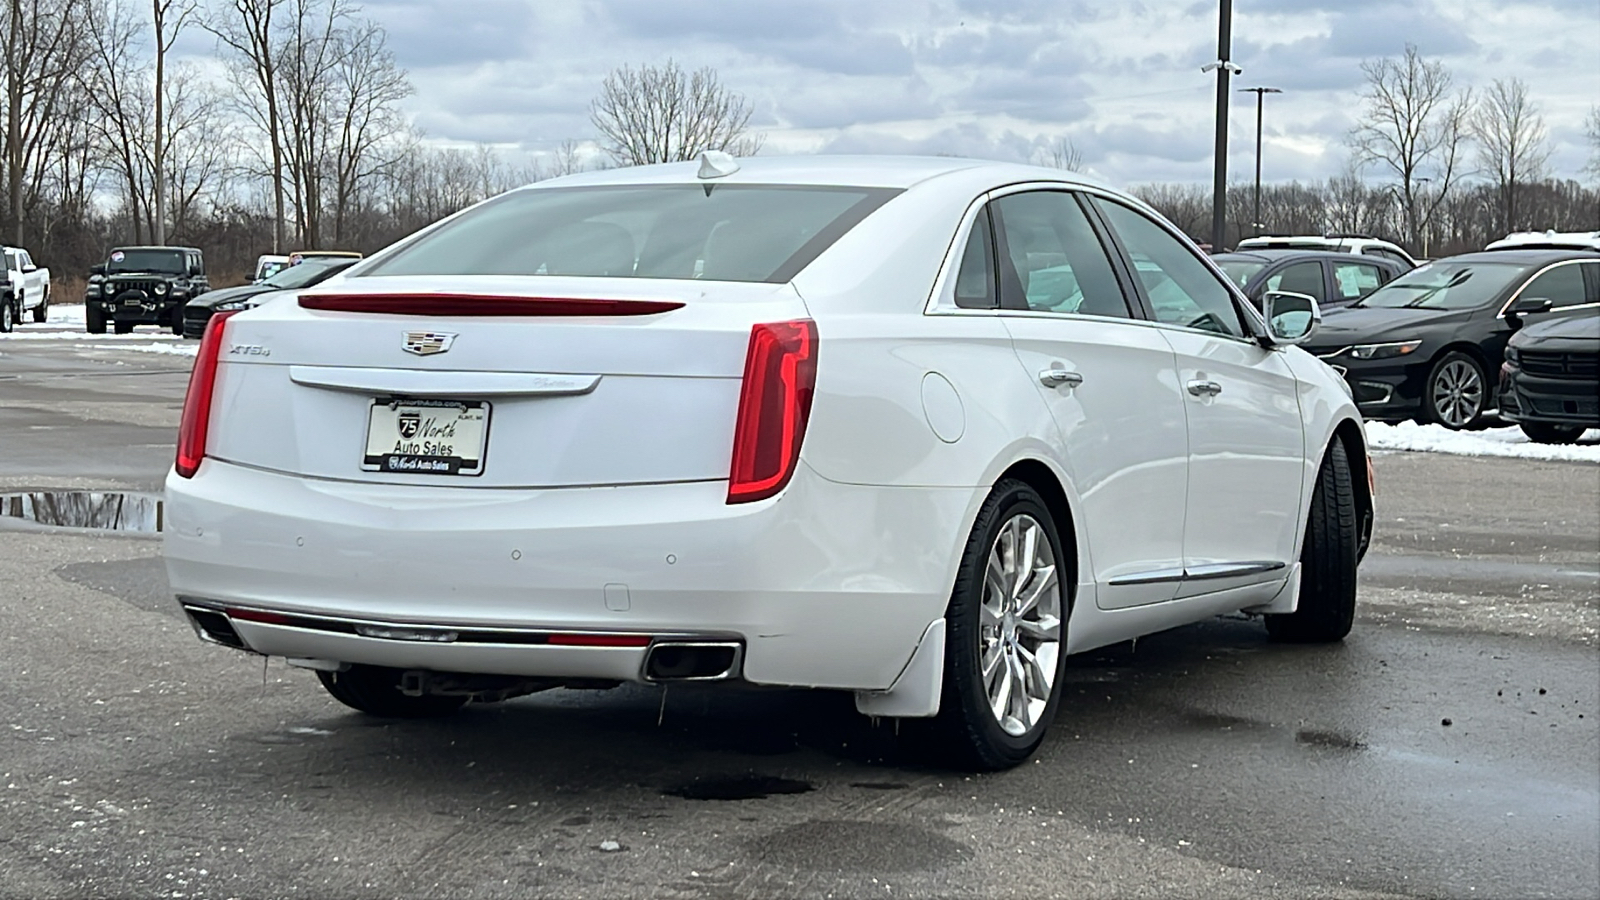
[1036, 682]
[991, 661]
[1042, 630]
[1043, 580]
[1019, 694]
[1000, 693]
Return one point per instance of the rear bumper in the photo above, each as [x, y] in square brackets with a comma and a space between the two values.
[827, 585]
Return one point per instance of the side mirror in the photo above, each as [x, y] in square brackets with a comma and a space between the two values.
[98, 269]
[1530, 305]
[1291, 317]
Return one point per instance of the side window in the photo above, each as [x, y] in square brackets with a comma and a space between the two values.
[1562, 286]
[975, 278]
[1181, 289]
[1058, 261]
[1301, 278]
[1356, 280]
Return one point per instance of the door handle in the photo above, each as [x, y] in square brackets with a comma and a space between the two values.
[1202, 388]
[1057, 377]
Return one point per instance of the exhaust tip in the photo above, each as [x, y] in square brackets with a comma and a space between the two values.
[693, 661]
[213, 626]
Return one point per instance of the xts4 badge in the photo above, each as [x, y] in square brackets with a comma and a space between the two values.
[427, 343]
[248, 350]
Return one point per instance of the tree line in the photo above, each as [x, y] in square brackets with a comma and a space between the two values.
[293, 137]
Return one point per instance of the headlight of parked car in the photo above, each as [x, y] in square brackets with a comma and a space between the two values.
[233, 305]
[1383, 351]
[161, 289]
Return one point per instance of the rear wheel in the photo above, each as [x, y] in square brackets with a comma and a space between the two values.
[1456, 393]
[177, 320]
[40, 312]
[8, 315]
[94, 320]
[1546, 433]
[1328, 559]
[375, 690]
[1004, 654]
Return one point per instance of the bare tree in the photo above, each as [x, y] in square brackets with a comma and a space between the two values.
[367, 86]
[656, 114]
[168, 17]
[1511, 143]
[1592, 131]
[1060, 153]
[39, 62]
[248, 29]
[199, 146]
[1415, 126]
[115, 85]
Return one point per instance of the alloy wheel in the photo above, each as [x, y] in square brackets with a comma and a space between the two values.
[1458, 393]
[1020, 624]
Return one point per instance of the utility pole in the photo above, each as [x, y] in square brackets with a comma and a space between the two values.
[1224, 68]
[1255, 220]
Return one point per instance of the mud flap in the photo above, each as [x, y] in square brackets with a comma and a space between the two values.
[1287, 600]
[915, 694]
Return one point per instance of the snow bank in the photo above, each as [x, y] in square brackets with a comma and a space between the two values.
[1509, 442]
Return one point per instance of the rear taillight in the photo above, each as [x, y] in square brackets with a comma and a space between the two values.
[197, 402]
[780, 376]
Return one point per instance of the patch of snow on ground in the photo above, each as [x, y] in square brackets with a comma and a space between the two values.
[1509, 442]
[65, 315]
[172, 349]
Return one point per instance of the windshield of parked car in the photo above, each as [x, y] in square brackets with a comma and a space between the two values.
[1445, 285]
[1240, 270]
[306, 273]
[170, 262]
[712, 232]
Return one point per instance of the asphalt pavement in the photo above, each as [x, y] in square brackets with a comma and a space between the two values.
[1449, 747]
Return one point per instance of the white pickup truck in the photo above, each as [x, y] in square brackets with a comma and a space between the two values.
[26, 288]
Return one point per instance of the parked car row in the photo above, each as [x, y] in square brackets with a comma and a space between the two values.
[1430, 344]
[168, 286]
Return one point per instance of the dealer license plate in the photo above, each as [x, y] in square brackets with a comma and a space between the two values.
[426, 437]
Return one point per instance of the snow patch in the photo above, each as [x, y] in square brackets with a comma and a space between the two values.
[1507, 442]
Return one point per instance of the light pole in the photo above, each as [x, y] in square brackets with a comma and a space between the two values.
[1224, 68]
[1255, 222]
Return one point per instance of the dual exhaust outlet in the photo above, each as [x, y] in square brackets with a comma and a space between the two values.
[668, 661]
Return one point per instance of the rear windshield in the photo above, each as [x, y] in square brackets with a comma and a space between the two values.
[713, 232]
[306, 273]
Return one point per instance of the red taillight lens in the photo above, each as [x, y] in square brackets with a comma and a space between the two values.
[780, 376]
[197, 402]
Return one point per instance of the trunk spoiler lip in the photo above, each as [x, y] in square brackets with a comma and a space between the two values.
[428, 303]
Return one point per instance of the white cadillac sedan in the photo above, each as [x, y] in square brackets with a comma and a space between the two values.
[911, 428]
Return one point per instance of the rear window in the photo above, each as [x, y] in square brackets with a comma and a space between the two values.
[712, 232]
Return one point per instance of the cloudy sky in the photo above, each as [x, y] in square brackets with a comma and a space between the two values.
[990, 78]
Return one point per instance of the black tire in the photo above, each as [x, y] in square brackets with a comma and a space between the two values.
[8, 315]
[41, 312]
[376, 691]
[1547, 433]
[1457, 392]
[1328, 559]
[177, 321]
[967, 733]
[94, 320]
[122, 327]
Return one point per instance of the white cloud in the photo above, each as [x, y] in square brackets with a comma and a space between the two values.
[992, 77]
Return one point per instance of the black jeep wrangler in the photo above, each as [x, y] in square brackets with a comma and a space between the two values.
[144, 286]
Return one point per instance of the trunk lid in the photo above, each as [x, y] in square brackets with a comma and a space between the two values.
[520, 401]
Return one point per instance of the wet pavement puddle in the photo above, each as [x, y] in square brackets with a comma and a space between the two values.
[742, 787]
[108, 510]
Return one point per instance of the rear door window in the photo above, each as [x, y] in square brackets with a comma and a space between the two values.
[727, 232]
[1054, 261]
[1353, 281]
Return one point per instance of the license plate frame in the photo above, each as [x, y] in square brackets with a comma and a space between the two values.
[426, 436]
